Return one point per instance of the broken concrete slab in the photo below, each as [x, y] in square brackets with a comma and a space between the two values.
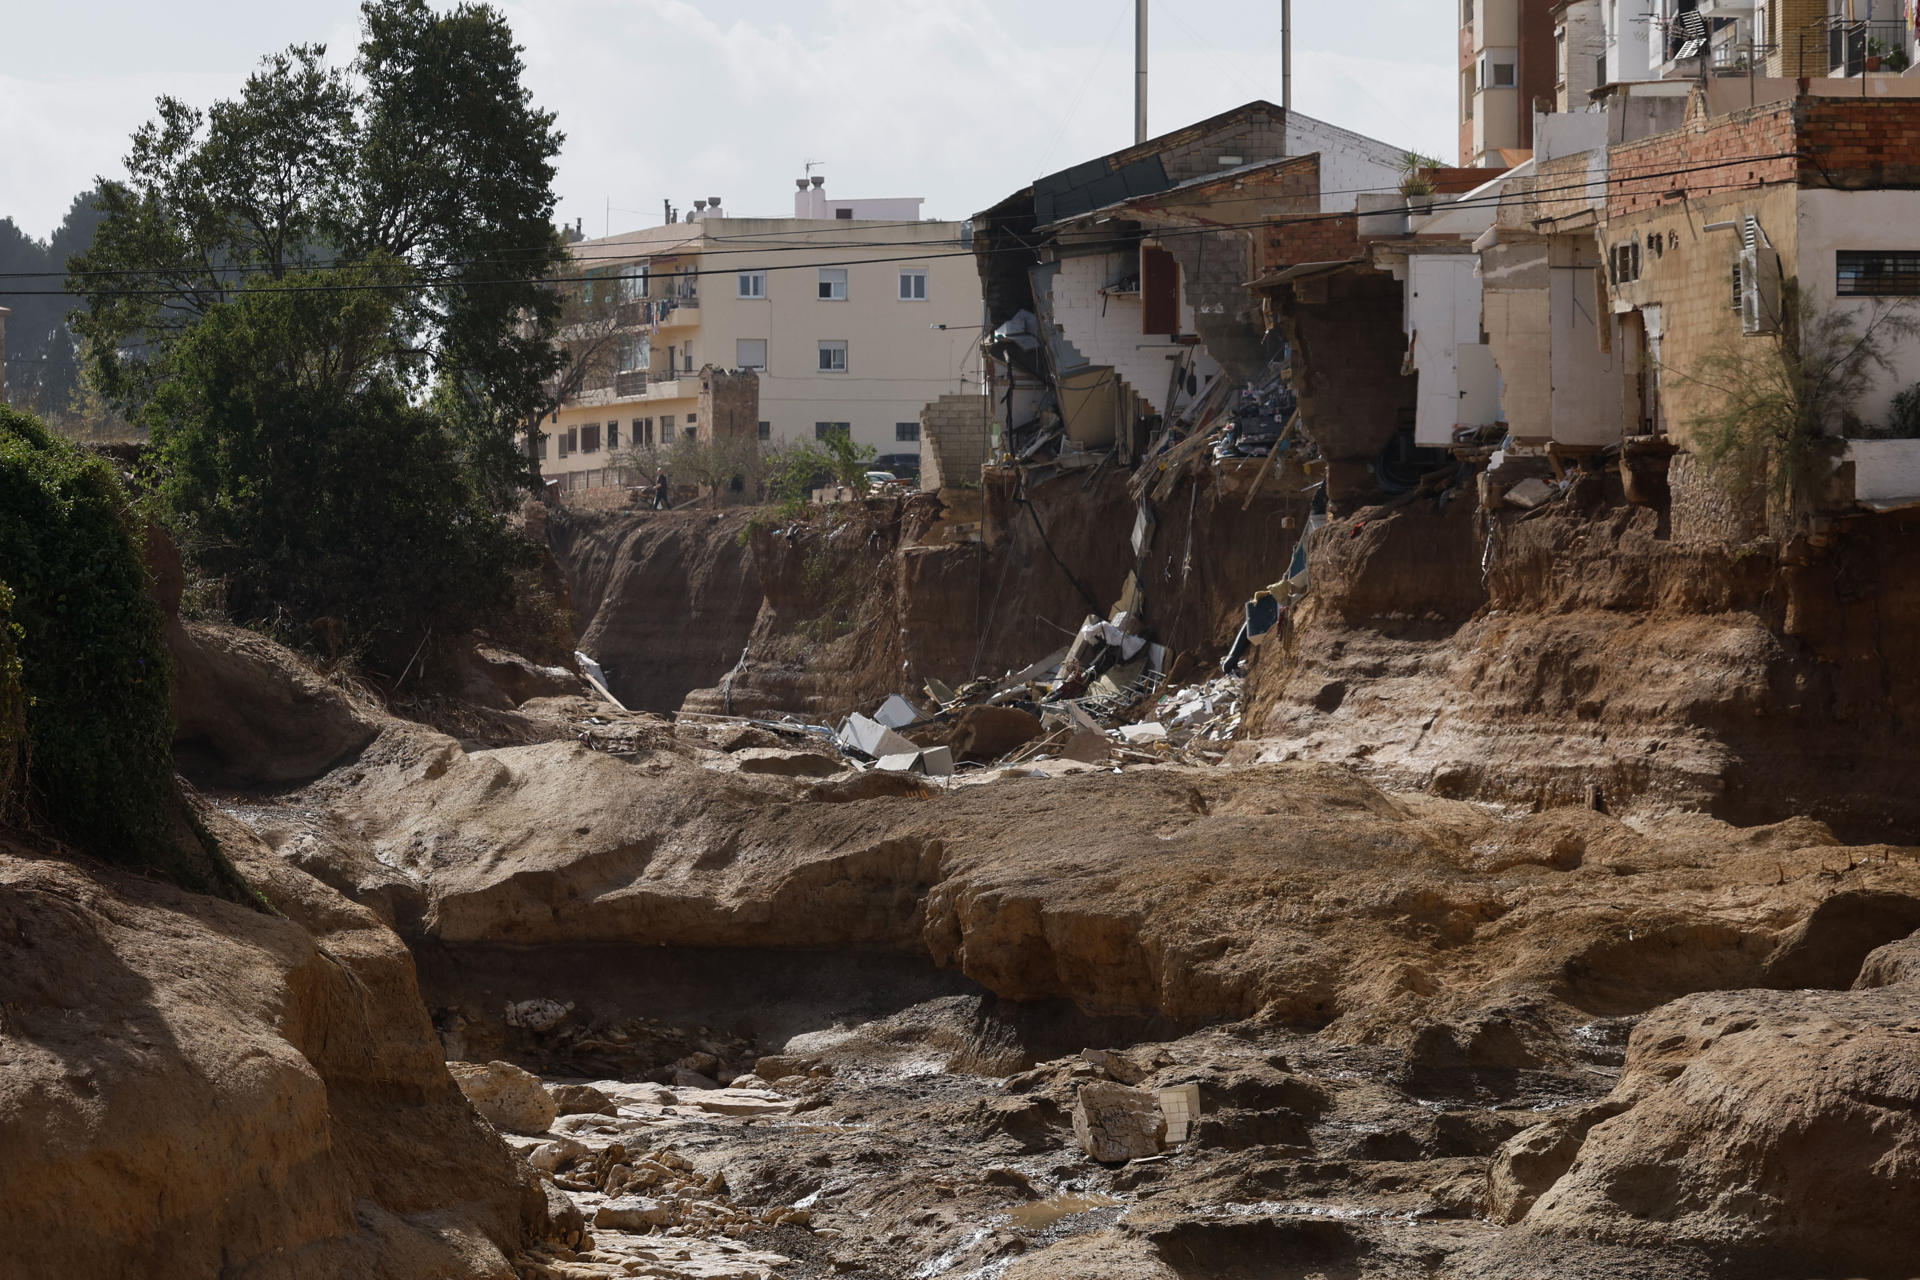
[1529, 493]
[1088, 746]
[1115, 1123]
[1146, 732]
[873, 738]
[897, 713]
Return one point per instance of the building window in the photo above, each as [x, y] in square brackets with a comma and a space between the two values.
[750, 353]
[905, 431]
[845, 215]
[543, 446]
[590, 438]
[833, 357]
[766, 431]
[1500, 75]
[636, 352]
[753, 284]
[570, 442]
[1623, 265]
[1878, 273]
[648, 429]
[913, 284]
[827, 430]
[833, 284]
[692, 432]
[692, 418]
[613, 436]
[666, 428]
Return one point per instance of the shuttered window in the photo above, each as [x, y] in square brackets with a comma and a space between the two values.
[1878, 273]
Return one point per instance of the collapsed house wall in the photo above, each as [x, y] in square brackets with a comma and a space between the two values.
[953, 441]
[1348, 353]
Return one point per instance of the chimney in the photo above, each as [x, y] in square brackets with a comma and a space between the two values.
[817, 198]
[801, 202]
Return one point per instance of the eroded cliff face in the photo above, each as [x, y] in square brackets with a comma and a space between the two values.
[1525, 661]
[665, 601]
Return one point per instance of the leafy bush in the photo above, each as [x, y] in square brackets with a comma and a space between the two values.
[90, 662]
[1905, 423]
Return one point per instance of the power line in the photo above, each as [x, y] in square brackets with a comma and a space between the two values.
[1117, 242]
[690, 244]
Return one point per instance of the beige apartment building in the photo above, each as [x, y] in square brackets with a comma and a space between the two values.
[1507, 70]
[854, 315]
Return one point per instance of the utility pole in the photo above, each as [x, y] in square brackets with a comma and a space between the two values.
[1139, 70]
[1286, 55]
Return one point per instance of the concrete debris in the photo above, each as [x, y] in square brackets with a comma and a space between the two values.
[871, 738]
[1530, 493]
[935, 762]
[1180, 1104]
[1115, 1123]
[897, 713]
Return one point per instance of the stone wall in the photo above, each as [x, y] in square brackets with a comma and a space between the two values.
[953, 441]
[1704, 514]
[729, 404]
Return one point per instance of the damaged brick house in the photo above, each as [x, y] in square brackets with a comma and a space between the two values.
[1116, 289]
[1615, 274]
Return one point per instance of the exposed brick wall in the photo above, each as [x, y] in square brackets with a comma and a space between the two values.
[1859, 142]
[953, 441]
[1324, 239]
[1697, 158]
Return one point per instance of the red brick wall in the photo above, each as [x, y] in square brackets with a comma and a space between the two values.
[1695, 158]
[1826, 142]
[1316, 238]
[1854, 143]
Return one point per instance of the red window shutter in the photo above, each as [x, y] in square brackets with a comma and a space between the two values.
[1159, 292]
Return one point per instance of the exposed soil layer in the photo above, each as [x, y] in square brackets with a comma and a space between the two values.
[1527, 661]
[733, 614]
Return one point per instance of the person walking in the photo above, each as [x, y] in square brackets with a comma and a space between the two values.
[660, 490]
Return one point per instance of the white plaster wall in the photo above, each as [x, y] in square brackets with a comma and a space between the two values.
[1833, 220]
[1629, 42]
[1586, 380]
[1442, 322]
[1350, 163]
[1107, 329]
[1885, 470]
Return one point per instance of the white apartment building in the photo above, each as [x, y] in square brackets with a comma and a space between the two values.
[855, 315]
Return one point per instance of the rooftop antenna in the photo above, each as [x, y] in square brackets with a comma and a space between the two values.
[811, 165]
[1139, 71]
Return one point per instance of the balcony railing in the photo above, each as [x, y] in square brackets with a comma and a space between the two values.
[1855, 46]
[632, 382]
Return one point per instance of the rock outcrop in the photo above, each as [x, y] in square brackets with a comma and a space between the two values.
[193, 1087]
[1778, 1125]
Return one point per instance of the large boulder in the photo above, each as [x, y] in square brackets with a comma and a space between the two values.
[1890, 966]
[1114, 1123]
[508, 1097]
[1534, 1159]
[1782, 1126]
[248, 712]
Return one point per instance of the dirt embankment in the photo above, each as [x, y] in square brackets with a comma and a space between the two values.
[839, 610]
[193, 1088]
[1525, 661]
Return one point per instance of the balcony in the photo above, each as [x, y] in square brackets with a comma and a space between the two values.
[630, 383]
[1854, 47]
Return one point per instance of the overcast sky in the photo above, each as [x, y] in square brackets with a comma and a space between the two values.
[960, 101]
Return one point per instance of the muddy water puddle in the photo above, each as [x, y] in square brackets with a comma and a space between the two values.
[1042, 1214]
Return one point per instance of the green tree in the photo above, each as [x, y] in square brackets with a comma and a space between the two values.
[298, 472]
[329, 294]
[43, 359]
[1781, 403]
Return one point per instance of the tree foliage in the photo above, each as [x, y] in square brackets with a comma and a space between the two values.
[298, 473]
[1781, 404]
[326, 297]
[43, 358]
[90, 663]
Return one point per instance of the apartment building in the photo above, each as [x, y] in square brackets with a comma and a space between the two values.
[853, 314]
[1818, 39]
[1508, 65]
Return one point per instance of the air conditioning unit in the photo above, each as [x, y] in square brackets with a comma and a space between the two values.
[1759, 282]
